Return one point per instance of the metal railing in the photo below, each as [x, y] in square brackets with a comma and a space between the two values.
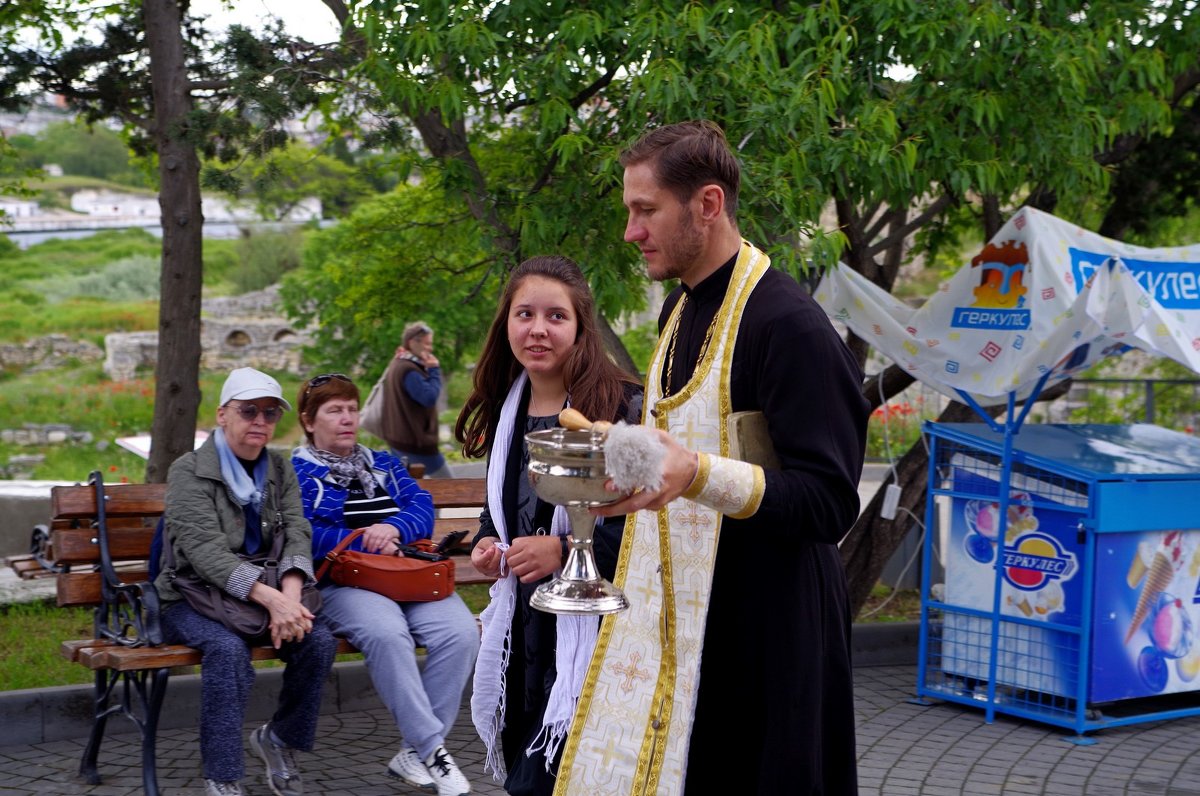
[1171, 403]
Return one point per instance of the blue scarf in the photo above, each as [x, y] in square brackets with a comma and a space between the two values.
[246, 491]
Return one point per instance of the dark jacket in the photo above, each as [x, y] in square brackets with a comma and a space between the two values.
[407, 425]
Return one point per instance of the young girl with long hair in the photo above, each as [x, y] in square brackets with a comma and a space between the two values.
[543, 353]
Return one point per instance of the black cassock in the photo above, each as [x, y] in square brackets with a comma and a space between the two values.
[775, 710]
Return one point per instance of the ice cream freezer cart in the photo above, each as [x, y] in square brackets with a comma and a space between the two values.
[1071, 596]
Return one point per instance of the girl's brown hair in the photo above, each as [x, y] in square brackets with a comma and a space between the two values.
[596, 385]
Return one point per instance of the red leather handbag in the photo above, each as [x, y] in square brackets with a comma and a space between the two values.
[420, 575]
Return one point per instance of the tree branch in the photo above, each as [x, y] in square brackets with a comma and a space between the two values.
[936, 207]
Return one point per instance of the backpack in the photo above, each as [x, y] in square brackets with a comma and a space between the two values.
[370, 416]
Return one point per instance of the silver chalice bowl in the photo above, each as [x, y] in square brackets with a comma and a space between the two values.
[566, 468]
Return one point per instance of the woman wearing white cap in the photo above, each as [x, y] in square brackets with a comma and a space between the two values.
[226, 499]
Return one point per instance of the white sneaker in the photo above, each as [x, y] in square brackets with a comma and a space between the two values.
[214, 788]
[407, 766]
[449, 780]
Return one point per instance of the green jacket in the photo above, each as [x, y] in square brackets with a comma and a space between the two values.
[206, 526]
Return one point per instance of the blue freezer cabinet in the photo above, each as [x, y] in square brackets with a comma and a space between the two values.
[1072, 596]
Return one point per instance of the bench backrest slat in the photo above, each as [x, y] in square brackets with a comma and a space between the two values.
[133, 510]
[123, 500]
[138, 500]
[455, 493]
[81, 546]
[83, 588]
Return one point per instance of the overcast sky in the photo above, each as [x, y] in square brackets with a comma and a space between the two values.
[309, 19]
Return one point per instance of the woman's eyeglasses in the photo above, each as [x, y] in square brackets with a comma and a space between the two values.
[271, 414]
[324, 378]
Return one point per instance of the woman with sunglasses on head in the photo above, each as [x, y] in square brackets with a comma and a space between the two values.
[226, 499]
[542, 354]
[346, 486]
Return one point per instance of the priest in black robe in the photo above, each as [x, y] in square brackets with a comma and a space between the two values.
[773, 710]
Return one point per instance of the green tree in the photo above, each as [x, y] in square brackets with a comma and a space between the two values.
[32, 18]
[181, 96]
[12, 174]
[1005, 103]
[283, 178]
[1009, 104]
[396, 258]
[81, 151]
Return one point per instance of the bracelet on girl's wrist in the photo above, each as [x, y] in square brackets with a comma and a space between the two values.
[565, 548]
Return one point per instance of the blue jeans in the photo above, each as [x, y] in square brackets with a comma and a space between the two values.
[226, 677]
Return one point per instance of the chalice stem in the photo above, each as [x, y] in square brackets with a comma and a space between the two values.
[581, 563]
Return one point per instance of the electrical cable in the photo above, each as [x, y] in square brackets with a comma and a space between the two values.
[887, 443]
[887, 449]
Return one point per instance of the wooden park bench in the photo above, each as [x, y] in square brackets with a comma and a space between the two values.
[97, 545]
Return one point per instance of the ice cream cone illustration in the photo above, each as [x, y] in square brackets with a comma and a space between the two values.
[1049, 599]
[1140, 564]
[1021, 602]
[1167, 559]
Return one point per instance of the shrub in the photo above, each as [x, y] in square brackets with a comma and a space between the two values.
[128, 279]
[639, 342]
[894, 427]
[265, 258]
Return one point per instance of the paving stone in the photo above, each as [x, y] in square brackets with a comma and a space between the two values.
[904, 750]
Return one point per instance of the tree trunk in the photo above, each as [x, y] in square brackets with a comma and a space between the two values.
[616, 348]
[858, 258]
[177, 392]
[991, 217]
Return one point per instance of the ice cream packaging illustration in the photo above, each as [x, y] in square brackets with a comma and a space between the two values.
[1167, 559]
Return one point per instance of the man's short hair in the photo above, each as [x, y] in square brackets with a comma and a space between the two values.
[686, 156]
[414, 329]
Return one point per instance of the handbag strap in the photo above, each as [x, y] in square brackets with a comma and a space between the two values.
[342, 545]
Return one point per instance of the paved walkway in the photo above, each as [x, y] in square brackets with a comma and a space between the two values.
[904, 749]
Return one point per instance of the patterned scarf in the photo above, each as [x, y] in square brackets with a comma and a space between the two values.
[344, 469]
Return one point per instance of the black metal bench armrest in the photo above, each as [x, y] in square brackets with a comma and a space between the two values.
[128, 613]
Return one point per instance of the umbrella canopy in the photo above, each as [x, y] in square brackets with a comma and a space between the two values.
[1043, 299]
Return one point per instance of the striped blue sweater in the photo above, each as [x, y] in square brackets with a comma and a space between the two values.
[324, 501]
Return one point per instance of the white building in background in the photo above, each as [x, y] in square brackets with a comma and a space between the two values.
[220, 209]
[111, 204]
[46, 110]
[145, 208]
[18, 208]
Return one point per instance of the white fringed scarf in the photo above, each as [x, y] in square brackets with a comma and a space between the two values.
[576, 634]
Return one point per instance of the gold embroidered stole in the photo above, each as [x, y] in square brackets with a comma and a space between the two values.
[631, 731]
